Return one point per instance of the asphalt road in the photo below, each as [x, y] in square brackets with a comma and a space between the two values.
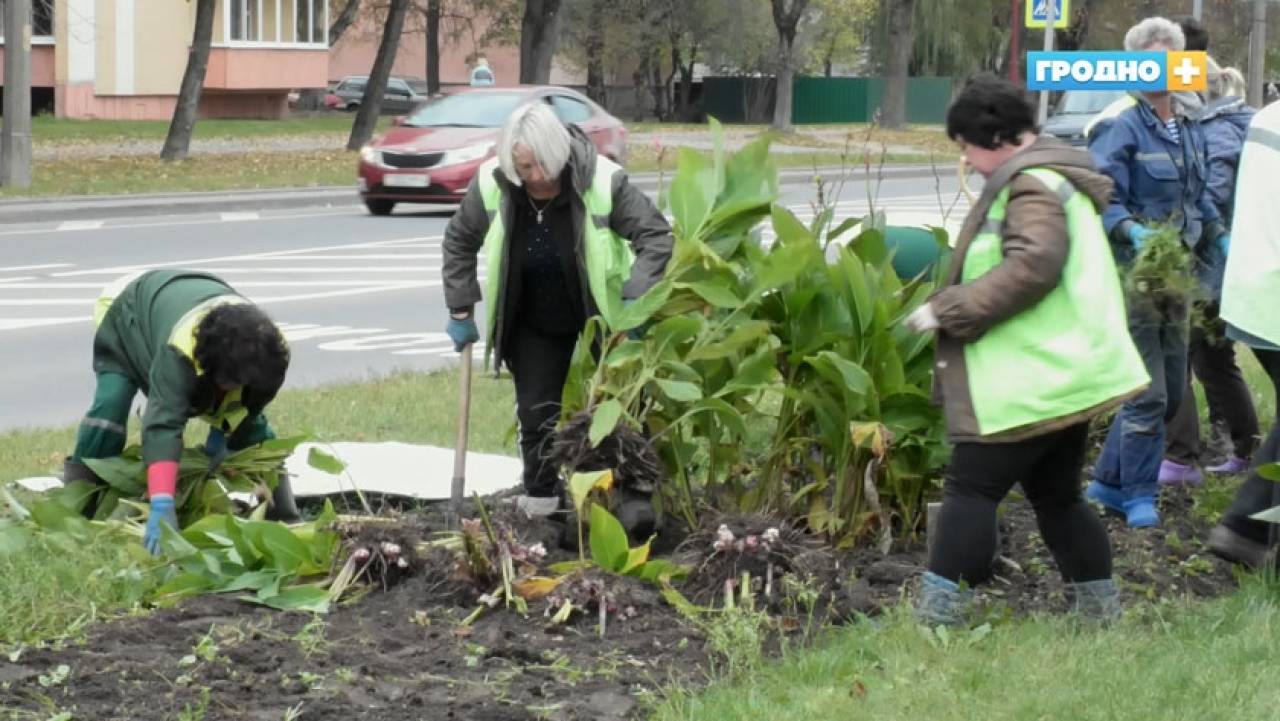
[357, 296]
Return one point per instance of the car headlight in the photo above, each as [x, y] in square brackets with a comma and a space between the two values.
[465, 155]
[370, 154]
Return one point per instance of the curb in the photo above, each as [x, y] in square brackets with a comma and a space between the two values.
[101, 207]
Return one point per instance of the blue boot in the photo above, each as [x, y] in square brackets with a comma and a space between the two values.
[1109, 497]
[1141, 512]
[1096, 600]
[941, 602]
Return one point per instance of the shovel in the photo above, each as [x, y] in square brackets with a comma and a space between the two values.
[460, 447]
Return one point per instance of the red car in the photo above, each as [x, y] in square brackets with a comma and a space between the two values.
[431, 154]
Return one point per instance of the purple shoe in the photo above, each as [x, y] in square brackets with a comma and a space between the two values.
[1233, 466]
[1177, 474]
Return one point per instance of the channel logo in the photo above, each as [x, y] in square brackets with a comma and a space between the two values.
[1140, 71]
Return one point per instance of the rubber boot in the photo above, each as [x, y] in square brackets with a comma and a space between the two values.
[941, 602]
[1095, 600]
[283, 507]
[1109, 497]
[1141, 512]
[1231, 546]
[73, 470]
[636, 514]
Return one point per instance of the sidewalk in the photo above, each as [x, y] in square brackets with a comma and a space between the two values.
[38, 210]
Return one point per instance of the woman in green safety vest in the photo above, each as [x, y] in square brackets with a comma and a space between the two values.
[565, 237]
[1031, 344]
[195, 348]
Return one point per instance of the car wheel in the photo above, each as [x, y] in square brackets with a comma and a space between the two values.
[379, 207]
[352, 107]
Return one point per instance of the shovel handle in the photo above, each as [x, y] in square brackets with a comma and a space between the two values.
[464, 418]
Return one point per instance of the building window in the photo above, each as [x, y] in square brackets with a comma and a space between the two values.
[246, 20]
[41, 19]
[310, 21]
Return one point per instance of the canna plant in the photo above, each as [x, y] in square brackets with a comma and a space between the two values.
[769, 376]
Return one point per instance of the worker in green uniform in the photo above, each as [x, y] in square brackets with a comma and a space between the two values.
[195, 348]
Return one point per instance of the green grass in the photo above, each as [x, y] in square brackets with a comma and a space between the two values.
[1202, 661]
[51, 589]
[48, 130]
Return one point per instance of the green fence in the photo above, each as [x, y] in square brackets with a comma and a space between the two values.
[823, 100]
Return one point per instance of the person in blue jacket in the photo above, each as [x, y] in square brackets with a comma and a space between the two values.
[1225, 119]
[1156, 158]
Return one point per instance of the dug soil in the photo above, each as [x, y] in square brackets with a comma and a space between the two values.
[401, 653]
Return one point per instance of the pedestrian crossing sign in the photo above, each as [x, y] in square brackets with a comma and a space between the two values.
[1037, 13]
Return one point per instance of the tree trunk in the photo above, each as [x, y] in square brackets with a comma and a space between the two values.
[786, 19]
[826, 66]
[433, 46]
[344, 21]
[178, 141]
[539, 31]
[893, 106]
[595, 53]
[376, 88]
[657, 88]
[638, 79]
[686, 86]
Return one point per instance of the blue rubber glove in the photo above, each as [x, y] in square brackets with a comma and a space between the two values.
[162, 511]
[1138, 235]
[1224, 243]
[462, 332]
[215, 446]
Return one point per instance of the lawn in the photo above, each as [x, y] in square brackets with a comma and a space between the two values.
[48, 130]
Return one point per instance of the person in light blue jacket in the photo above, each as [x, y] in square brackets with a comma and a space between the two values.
[1156, 158]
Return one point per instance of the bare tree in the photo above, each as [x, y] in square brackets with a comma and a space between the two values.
[178, 142]
[538, 33]
[376, 87]
[595, 51]
[893, 105]
[433, 46]
[786, 18]
[344, 20]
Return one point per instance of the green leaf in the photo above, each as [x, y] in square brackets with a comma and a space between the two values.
[604, 419]
[183, 585]
[324, 461]
[682, 391]
[1270, 471]
[754, 373]
[624, 353]
[642, 309]
[280, 549]
[249, 580]
[14, 537]
[743, 335]
[308, 598]
[723, 412]
[608, 540]
[126, 475]
[692, 192]
[788, 228]
[581, 485]
[848, 374]
[566, 567]
[636, 558]
[659, 569]
[716, 291]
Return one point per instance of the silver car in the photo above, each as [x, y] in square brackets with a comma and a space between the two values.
[403, 94]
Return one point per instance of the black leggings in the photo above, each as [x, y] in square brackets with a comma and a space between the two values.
[1257, 493]
[539, 365]
[1048, 467]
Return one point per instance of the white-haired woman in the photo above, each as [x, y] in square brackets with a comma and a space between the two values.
[565, 235]
[1225, 120]
[1156, 158]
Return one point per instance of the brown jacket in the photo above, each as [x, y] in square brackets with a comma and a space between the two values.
[1035, 247]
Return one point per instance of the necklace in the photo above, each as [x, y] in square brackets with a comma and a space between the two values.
[538, 210]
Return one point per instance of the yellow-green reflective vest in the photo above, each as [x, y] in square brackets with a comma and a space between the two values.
[1068, 353]
[607, 255]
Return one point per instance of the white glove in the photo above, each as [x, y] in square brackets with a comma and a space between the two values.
[922, 319]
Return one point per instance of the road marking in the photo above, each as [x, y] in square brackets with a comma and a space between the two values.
[39, 322]
[17, 279]
[294, 332]
[389, 341]
[86, 302]
[301, 269]
[345, 210]
[22, 268]
[80, 224]
[122, 269]
[238, 217]
[374, 256]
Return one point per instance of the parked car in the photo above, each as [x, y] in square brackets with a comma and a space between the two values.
[431, 155]
[1074, 111]
[403, 94]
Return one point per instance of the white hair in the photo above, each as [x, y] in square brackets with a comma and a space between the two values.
[535, 126]
[1224, 82]
[1155, 30]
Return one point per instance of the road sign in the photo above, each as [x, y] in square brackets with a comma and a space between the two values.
[1037, 12]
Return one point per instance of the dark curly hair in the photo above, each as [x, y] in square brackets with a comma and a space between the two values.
[990, 111]
[239, 345]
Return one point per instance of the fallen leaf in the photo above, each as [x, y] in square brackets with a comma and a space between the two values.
[859, 689]
[536, 587]
[462, 631]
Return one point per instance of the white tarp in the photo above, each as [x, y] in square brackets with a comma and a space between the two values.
[399, 469]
